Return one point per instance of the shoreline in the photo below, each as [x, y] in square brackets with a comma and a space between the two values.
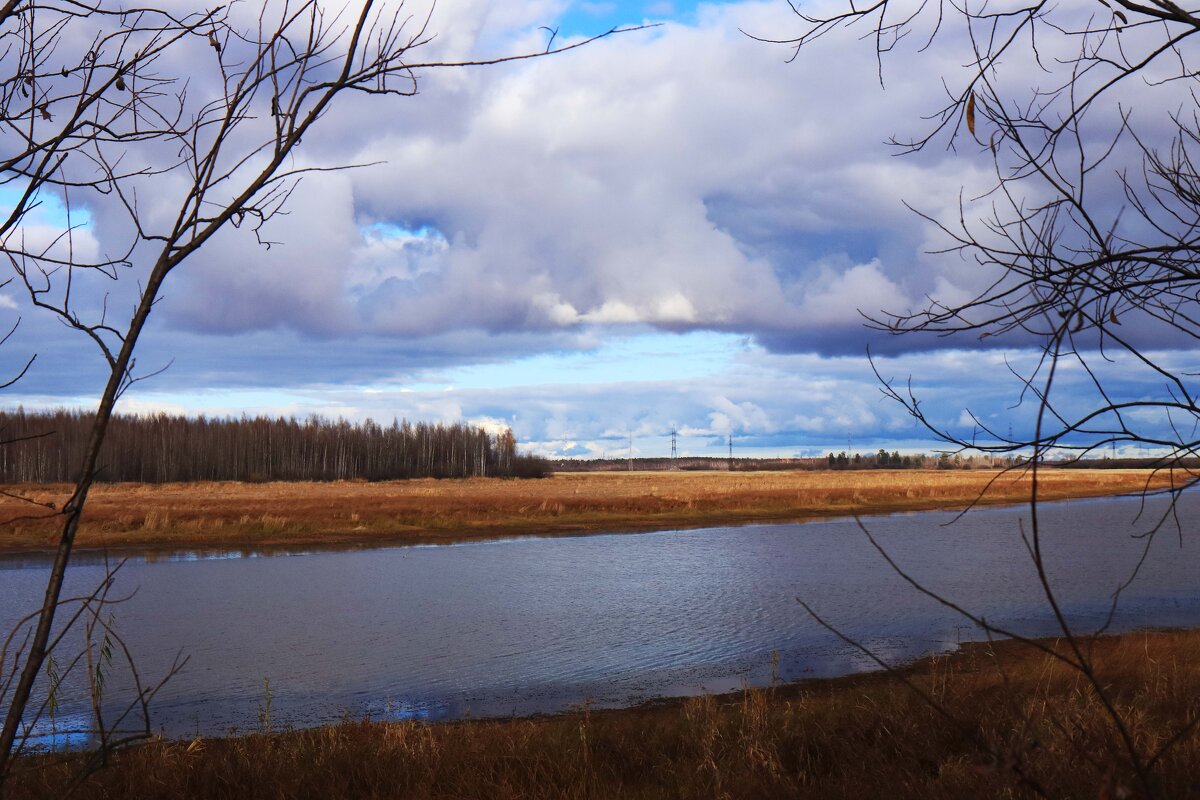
[336, 542]
[851, 736]
[224, 517]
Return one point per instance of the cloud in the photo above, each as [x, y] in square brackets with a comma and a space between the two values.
[823, 300]
[678, 179]
[768, 402]
[597, 9]
[304, 282]
[682, 178]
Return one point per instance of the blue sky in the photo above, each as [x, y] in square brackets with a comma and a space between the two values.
[590, 18]
[670, 228]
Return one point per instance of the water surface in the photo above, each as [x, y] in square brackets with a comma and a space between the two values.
[538, 625]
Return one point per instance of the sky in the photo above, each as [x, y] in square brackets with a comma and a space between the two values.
[673, 228]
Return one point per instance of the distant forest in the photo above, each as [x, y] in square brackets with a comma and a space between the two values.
[854, 461]
[46, 447]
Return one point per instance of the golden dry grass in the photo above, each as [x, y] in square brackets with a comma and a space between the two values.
[1013, 709]
[226, 515]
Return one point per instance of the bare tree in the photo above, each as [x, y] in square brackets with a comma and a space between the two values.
[97, 101]
[1086, 243]
[1088, 237]
[161, 448]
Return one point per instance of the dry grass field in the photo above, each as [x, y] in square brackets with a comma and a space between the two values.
[1010, 711]
[357, 514]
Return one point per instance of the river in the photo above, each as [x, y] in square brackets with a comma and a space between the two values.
[528, 625]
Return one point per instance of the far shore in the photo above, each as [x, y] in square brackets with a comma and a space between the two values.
[224, 516]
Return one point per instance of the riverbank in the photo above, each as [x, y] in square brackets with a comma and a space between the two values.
[266, 516]
[1001, 711]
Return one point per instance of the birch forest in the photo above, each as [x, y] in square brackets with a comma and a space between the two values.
[46, 447]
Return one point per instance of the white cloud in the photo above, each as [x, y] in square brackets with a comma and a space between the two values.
[682, 177]
[597, 9]
[831, 296]
[492, 425]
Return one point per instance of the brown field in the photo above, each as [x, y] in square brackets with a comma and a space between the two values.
[1010, 708]
[257, 516]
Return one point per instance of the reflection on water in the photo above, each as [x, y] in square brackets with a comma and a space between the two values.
[58, 734]
[530, 625]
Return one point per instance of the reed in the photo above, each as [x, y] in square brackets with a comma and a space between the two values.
[1001, 708]
[229, 515]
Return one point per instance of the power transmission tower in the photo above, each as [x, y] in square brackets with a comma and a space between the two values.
[674, 452]
[731, 452]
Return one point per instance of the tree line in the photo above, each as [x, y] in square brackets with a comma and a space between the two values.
[885, 460]
[47, 447]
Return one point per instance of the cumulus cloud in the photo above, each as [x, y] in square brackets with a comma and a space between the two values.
[681, 177]
[770, 403]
